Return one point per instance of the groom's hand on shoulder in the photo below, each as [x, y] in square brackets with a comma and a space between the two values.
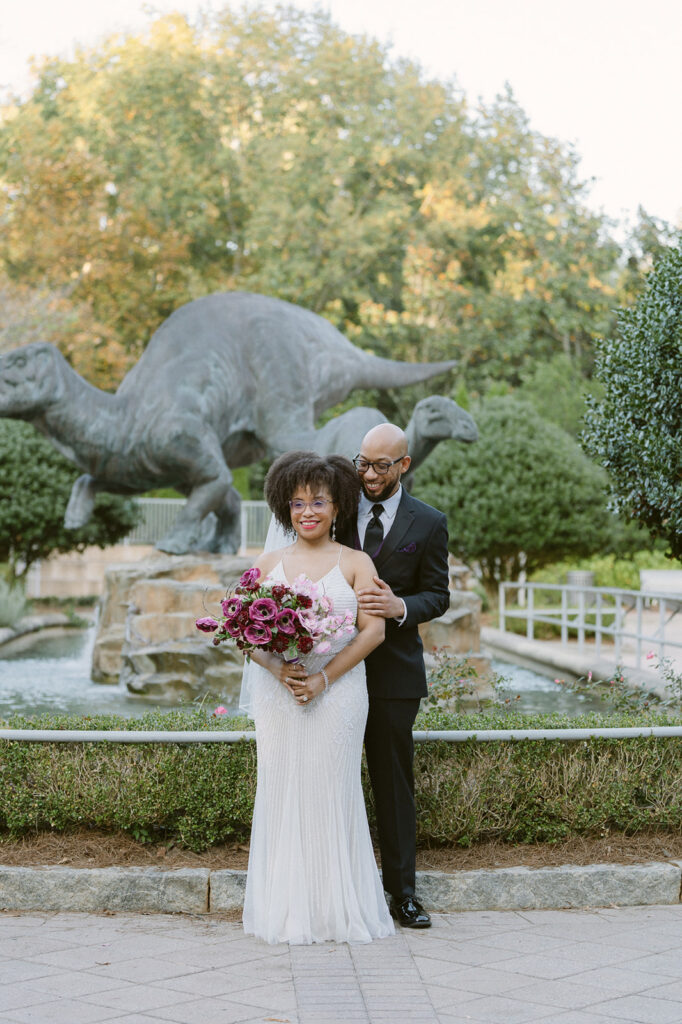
[379, 599]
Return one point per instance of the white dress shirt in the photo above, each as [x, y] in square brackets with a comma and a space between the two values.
[390, 506]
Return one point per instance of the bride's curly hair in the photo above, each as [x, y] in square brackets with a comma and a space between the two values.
[335, 473]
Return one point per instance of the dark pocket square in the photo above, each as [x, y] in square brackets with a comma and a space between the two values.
[409, 549]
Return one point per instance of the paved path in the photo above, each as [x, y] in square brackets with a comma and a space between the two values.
[546, 966]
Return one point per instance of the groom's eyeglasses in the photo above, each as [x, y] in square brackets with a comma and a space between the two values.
[319, 505]
[382, 468]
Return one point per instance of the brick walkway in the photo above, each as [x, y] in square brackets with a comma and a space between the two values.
[568, 967]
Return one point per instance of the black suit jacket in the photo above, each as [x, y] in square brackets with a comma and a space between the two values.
[414, 562]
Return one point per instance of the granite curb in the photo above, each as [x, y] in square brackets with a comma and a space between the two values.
[201, 891]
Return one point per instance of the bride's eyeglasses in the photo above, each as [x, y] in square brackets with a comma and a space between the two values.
[318, 505]
[382, 468]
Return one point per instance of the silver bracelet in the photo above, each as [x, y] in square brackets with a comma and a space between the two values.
[326, 679]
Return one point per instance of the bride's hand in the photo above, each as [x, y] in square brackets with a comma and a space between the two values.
[288, 674]
[304, 690]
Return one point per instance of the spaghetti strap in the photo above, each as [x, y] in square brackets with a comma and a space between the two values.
[338, 560]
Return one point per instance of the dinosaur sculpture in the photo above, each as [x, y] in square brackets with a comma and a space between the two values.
[225, 380]
[433, 419]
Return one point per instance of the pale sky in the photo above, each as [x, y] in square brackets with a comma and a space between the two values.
[605, 75]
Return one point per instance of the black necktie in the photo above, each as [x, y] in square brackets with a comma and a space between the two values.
[374, 534]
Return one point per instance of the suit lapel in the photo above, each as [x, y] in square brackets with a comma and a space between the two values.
[401, 526]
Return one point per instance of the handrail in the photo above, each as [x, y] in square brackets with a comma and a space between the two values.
[420, 735]
[578, 613]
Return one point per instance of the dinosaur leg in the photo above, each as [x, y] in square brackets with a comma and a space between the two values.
[228, 534]
[201, 462]
[81, 503]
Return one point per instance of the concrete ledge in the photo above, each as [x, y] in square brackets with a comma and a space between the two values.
[198, 890]
[86, 889]
[595, 885]
[227, 890]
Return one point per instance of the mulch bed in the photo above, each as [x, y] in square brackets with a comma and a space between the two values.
[90, 849]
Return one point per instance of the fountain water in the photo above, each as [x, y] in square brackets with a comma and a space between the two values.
[50, 673]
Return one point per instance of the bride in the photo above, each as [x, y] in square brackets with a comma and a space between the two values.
[312, 874]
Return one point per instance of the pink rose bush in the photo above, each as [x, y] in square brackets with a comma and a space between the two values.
[290, 621]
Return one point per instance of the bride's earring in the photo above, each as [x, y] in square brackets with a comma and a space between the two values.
[333, 529]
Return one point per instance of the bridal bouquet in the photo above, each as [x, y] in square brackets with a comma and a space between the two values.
[287, 620]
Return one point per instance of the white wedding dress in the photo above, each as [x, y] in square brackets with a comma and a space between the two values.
[312, 874]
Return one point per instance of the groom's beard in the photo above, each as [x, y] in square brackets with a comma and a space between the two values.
[386, 491]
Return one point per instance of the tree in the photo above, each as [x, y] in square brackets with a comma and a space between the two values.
[635, 432]
[524, 495]
[505, 266]
[35, 484]
[558, 391]
[30, 314]
[273, 152]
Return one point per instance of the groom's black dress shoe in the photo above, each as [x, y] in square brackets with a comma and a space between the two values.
[409, 913]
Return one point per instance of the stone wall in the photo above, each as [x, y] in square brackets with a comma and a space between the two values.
[146, 634]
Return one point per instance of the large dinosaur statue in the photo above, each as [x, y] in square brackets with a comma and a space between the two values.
[224, 381]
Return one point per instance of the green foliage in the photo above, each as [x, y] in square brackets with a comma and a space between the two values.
[13, 603]
[35, 484]
[557, 391]
[635, 432]
[199, 795]
[609, 570]
[523, 496]
[274, 152]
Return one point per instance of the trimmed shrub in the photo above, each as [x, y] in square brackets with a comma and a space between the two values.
[199, 795]
[635, 432]
[523, 496]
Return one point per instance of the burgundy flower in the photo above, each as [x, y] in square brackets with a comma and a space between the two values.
[207, 624]
[286, 621]
[233, 629]
[231, 606]
[279, 591]
[257, 634]
[263, 610]
[242, 618]
[305, 601]
[305, 644]
[280, 643]
[249, 579]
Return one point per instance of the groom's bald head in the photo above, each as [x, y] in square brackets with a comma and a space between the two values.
[385, 444]
[388, 437]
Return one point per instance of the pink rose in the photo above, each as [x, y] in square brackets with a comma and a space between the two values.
[220, 710]
[207, 624]
[308, 619]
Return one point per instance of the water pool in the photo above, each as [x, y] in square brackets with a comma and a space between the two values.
[50, 672]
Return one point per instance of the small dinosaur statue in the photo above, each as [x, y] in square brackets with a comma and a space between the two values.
[433, 419]
[224, 381]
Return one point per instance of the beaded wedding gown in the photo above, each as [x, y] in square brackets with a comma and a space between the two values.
[312, 874]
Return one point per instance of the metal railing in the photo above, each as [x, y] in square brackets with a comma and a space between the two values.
[159, 514]
[419, 735]
[608, 613]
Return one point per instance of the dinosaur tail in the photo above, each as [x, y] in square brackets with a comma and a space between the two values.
[375, 372]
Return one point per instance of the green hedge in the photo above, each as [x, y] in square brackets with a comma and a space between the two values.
[198, 795]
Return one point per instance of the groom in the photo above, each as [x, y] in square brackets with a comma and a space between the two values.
[408, 542]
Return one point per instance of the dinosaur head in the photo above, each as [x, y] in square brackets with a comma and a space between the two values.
[29, 380]
[438, 418]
